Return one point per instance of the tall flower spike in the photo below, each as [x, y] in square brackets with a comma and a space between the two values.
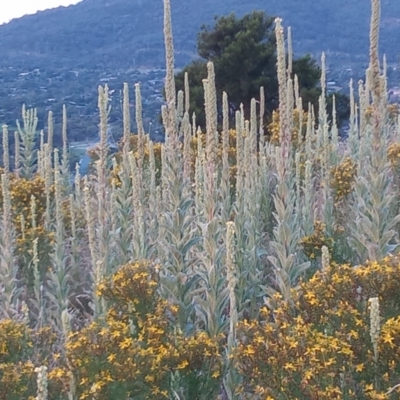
[375, 70]
[262, 112]
[325, 259]
[41, 383]
[6, 152]
[170, 93]
[187, 93]
[65, 160]
[374, 324]
[17, 157]
[290, 52]
[225, 129]
[212, 97]
[126, 118]
[180, 105]
[230, 264]
[50, 132]
[253, 126]
[296, 92]
[139, 111]
[7, 211]
[323, 75]
[374, 50]
[284, 125]
[141, 137]
[103, 109]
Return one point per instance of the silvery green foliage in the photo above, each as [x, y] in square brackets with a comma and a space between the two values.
[139, 244]
[287, 264]
[212, 300]
[27, 133]
[177, 237]
[251, 202]
[9, 291]
[231, 378]
[123, 214]
[373, 232]
[59, 278]
[374, 221]
[266, 183]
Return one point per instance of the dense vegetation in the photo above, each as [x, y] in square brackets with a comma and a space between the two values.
[221, 264]
[244, 54]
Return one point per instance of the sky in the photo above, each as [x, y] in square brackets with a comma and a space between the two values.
[10, 9]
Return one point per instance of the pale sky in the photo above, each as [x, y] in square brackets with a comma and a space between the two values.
[10, 9]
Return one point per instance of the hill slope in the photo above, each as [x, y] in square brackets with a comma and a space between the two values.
[127, 33]
[61, 55]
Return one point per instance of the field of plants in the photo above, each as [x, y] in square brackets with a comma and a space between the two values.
[225, 263]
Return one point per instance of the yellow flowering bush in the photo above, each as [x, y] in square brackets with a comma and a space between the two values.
[392, 110]
[312, 244]
[17, 377]
[133, 146]
[273, 127]
[342, 178]
[232, 153]
[394, 156]
[136, 349]
[21, 191]
[318, 346]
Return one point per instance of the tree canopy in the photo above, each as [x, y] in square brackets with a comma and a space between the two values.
[243, 51]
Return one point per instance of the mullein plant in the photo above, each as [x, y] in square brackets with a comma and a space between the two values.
[212, 301]
[251, 245]
[178, 233]
[27, 134]
[375, 218]
[232, 379]
[59, 276]
[286, 262]
[8, 268]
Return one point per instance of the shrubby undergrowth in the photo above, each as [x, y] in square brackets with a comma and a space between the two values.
[217, 265]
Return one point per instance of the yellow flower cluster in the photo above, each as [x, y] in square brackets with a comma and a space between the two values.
[133, 146]
[392, 109]
[318, 346]
[16, 369]
[315, 346]
[342, 178]
[132, 285]
[21, 191]
[136, 348]
[130, 352]
[232, 153]
[312, 244]
[274, 127]
[394, 156]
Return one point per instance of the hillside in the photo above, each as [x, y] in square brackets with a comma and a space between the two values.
[61, 55]
[128, 33]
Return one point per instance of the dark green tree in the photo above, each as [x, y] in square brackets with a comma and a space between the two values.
[244, 55]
